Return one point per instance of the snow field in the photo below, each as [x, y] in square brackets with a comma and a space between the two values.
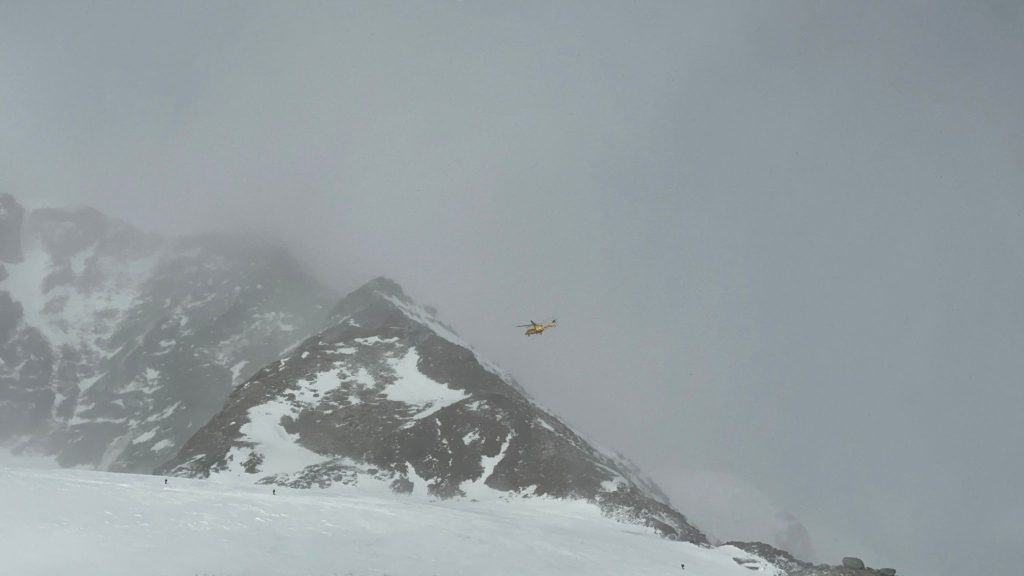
[85, 523]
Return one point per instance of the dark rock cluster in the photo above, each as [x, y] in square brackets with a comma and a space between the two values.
[791, 566]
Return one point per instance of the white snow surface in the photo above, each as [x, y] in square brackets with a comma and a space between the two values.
[86, 523]
[161, 445]
[371, 340]
[280, 450]
[147, 436]
[73, 322]
[312, 390]
[478, 488]
[414, 388]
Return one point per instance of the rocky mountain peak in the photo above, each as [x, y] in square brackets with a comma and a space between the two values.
[386, 395]
[377, 292]
[11, 216]
[385, 286]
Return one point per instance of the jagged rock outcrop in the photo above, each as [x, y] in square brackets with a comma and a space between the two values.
[387, 395]
[788, 565]
[853, 563]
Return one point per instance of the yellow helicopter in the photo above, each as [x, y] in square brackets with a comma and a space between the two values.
[534, 328]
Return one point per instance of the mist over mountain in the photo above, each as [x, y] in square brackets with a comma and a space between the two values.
[783, 239]
[221, 357]
[118, 344]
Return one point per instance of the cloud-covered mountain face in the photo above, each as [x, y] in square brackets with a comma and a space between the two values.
[11, 214]
[116, 345]
[388, 395]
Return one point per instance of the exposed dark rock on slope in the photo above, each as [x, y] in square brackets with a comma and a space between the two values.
[387, 394]
[790, 566]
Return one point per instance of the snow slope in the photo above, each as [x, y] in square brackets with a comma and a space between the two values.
[83, 523]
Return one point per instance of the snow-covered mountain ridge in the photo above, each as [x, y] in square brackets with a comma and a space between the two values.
[386, 394]
[389, 399]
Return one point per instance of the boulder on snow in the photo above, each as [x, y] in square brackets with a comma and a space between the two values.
[887, 571]
[402, 486]
[853, 563]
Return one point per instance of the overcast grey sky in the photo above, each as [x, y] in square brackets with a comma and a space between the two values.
[784, 241]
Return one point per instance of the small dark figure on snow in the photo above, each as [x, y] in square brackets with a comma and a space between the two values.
[683, 566]
[165, 480]
[274, 491]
